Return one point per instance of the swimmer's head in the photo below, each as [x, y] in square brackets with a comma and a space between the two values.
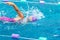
[32, 18]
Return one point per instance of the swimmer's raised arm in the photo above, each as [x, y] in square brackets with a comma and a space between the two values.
[16, 8]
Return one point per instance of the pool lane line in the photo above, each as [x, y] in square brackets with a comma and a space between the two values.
[50, 3]
[19, 37]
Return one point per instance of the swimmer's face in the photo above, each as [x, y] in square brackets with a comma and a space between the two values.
[30, 18]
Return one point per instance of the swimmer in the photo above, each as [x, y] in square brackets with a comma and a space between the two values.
[20, 15]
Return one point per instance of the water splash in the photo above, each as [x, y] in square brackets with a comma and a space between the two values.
[33, 12]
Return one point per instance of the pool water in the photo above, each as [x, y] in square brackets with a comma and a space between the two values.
[48, 27]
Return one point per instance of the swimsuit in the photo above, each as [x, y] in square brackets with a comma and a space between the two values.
[7, 19]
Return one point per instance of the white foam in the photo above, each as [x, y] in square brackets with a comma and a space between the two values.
[38, 13]
[34, 11]
[42, 1]
[24, 21]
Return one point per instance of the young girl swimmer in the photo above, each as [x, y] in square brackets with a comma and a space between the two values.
[20, 15]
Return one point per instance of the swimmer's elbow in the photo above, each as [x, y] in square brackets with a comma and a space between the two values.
[22, 17]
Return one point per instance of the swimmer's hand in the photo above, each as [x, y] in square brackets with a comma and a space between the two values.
[10, 3]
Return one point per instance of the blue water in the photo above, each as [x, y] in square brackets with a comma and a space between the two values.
[45, 27]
